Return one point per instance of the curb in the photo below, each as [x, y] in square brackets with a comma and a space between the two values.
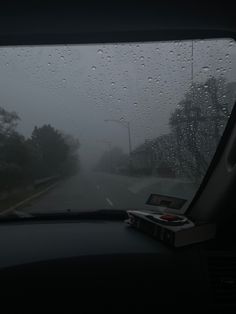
[36, 195]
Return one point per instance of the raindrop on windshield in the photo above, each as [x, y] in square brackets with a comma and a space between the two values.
[205, 68]
[93, 68]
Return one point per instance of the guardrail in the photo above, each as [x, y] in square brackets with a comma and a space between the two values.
[18, 195]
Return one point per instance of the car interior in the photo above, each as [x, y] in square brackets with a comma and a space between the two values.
[95, 261]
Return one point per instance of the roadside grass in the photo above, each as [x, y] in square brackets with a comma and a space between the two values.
[23, 195]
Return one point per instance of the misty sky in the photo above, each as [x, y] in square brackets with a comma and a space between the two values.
[74, 88]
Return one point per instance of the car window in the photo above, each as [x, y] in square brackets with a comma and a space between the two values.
[86, 127]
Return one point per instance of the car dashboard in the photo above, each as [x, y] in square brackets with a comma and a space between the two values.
[98, 259]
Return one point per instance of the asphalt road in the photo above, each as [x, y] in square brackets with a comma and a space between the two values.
[96, 190]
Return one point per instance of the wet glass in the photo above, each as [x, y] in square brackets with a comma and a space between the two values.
[85, 127]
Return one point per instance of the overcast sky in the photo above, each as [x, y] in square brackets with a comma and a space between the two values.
[74, 88]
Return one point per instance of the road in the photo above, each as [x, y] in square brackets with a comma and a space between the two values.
[96, 190]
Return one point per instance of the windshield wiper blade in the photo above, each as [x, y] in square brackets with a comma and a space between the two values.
[102, 214]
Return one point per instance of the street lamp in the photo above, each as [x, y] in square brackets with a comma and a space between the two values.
[125, 124]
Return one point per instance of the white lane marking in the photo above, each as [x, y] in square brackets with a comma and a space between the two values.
[109, 201]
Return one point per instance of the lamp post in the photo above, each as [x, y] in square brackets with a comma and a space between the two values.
[125, 124]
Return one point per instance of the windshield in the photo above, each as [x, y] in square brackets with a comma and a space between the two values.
[88, 127]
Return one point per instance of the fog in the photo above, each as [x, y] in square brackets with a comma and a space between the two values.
[75, 88]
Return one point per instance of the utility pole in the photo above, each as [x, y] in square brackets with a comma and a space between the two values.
[125, 124]
[129, 135]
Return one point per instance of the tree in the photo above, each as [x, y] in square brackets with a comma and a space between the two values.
[155, 156]
[71, 164]
[198, 123]
[50, 148]
[13, 156]
[47, 152]
[8, 122]
[54, 153]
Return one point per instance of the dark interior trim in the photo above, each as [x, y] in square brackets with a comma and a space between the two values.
[111, 37]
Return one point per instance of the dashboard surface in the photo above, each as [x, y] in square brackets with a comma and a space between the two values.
[97, 259]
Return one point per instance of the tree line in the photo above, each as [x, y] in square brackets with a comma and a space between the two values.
[47, 152]
[196, 126]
